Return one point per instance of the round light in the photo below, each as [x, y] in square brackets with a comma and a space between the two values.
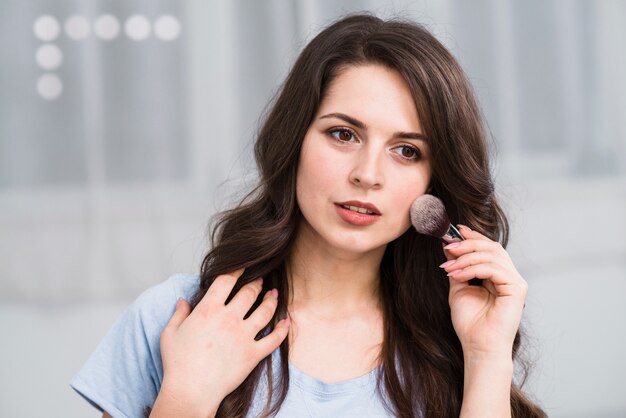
[106, 27]
[77, 27]
[137, 27]
[49, 56]
[167, 28]
[46, 28]
[49, 86]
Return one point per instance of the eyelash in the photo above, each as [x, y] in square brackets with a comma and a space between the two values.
[417, 155]
[337, 130]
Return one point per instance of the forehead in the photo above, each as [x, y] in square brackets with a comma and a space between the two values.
[374, 93]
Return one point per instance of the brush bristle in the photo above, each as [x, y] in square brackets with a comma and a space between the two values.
[429, 216]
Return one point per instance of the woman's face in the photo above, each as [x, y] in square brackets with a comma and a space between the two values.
[363, 152]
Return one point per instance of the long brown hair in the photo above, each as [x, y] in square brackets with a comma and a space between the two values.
[421, 356]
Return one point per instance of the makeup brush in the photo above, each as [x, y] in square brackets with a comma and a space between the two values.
[429, 217]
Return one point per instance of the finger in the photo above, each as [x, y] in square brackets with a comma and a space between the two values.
[264, 312]
[219, 290]
[469, 233]
[183, 308]
[457, 249]
[447, 253]
[469, 259]
[245, 297]
[271, 341]
[456, 286]
[480, 271]
[488, 271]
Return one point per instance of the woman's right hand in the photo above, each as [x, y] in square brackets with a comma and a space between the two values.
[209, 352]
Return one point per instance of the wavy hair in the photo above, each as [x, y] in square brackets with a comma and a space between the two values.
[421, 356]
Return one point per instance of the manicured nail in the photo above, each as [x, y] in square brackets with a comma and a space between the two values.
[447, 264]
[453, 245]
[274, 292]
[452, 273]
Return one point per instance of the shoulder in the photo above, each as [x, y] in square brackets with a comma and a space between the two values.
[124, 373]
[154, 307]
[159, 300]
[177, 285]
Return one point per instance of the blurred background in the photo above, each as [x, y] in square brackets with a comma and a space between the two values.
[124, 125]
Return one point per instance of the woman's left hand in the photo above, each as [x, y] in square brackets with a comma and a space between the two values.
[485, 317]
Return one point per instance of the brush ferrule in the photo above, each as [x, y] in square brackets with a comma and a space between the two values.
[452, 235]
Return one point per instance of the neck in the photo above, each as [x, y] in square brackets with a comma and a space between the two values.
[332, 283]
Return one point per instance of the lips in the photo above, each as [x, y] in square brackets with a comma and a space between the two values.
[361, 207]
[357, 213]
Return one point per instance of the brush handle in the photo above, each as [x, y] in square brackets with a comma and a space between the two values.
[453, 235]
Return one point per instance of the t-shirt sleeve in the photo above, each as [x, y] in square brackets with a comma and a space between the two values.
[123, 375]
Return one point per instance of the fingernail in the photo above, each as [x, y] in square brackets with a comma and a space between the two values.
[453, 245]
[286, 322]
[274, 292]
[178, 302]
[452, 273]
[461, 226]
[447, 264]
[259, 280]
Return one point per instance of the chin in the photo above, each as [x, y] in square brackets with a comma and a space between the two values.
[351, 252]
[358, 243]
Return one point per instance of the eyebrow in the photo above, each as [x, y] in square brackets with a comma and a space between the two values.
[363, 126]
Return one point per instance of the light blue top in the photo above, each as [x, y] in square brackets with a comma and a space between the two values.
[124, 373]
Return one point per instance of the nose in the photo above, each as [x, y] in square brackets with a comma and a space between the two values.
[367, 169]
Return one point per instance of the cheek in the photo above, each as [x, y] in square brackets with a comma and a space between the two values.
[405, 192]
[317, 171]
[308, 181]
[404, 204]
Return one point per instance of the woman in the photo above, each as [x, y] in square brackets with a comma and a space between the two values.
[355, 314]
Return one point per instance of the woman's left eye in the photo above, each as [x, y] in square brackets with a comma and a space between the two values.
[408, 152]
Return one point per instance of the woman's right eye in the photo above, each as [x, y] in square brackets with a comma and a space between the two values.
[342, 134]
